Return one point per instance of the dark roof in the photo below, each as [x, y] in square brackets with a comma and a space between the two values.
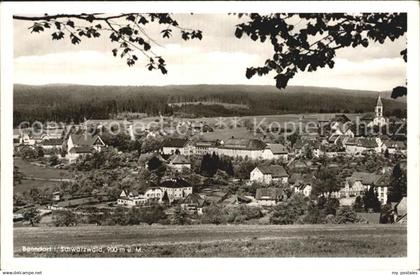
[206, 143]
[367, 142]
[277, 148]
[365, 177]
[341, 118]
[269, 193]
[174, 183]
[194, 198]
[52, 142]
[175, 142]
[178, 159]
[276, 171]
[244, 144]
[85, 140]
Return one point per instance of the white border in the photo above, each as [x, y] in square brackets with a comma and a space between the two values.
[209, 265]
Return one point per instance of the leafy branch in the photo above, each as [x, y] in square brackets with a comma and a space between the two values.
[127, 30]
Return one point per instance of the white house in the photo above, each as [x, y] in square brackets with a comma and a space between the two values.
[269, 174]
[79, 145]
[360, 182]
[275, 151]
[303, 188]
[131, 199]
[180, 146]
[154, 194]
[175, 188]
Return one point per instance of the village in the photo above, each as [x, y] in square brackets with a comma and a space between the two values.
[327, 168]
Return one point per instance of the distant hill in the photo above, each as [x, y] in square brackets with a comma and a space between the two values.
[64, 102]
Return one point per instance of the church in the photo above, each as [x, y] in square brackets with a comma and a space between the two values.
[379, 119]
[376, 119]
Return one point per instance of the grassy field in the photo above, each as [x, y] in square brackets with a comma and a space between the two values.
[215, 241]
[30, 170]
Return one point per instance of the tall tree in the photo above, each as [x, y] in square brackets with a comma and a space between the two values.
[398, 188]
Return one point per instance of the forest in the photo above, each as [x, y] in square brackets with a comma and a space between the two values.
[66, 103]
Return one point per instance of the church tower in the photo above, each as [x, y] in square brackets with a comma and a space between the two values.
[379, 107]
[379, 119]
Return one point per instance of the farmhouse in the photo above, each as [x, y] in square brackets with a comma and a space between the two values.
[55, 143]
[175, 188]
[275, 151]
[130, 199]
[360, 182]
[303, 188]
[83, 144]
[202, 147]
[394, 147]
[269, 174]
[154, 194]
[355, 146]
[193, 203]
[239, 147]
[179, 162]
[176, 145]
[268, 196]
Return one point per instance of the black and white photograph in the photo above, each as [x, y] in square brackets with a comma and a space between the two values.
[274, 131]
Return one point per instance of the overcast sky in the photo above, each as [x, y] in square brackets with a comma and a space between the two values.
[219, 58]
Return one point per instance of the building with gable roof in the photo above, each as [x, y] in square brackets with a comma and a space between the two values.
[268, 174]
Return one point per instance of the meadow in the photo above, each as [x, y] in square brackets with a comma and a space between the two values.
[215, 241]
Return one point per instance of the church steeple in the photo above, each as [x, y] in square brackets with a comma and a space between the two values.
[379, 107]
[379, 102]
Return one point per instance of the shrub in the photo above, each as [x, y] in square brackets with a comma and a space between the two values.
[64, 218]
[347, 215]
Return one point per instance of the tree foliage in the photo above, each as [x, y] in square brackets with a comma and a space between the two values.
[301, 41]
[127, 31]
[309, 41]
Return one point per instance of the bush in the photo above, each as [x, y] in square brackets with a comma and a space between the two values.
[289, 212]
[347, 215]
[64, 218]
[213, 214]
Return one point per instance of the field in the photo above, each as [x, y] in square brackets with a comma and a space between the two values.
[37, 176]
[214, 241]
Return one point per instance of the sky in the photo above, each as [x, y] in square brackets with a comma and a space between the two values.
[219, 58]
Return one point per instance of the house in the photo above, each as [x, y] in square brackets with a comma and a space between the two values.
[171, 146]
[360, 182]
[53, 143]
[269, 174]
[175, 188]
[302, 183]
[400, 211]
[269, 196]
[131, 199]
[83, 144]
[77, 152]
[179, 162]
[303, 188]
[275, 151]
[357, 146]
[394, 147]
[193, 203]
[245, 148]
[154, 194]
[202, 147]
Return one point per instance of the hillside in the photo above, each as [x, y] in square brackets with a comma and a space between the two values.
[74, 102]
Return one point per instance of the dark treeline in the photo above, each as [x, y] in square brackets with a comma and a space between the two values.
[66, 103]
